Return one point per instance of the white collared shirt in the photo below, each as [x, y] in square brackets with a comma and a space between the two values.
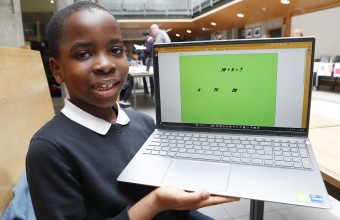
[91, 122]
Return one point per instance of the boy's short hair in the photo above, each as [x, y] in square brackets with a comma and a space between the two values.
[218, 33]
[55, 26]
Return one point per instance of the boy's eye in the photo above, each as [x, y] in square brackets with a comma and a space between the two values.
[83, 55]
[116, 50]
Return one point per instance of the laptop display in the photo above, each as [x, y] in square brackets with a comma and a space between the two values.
[242, 85]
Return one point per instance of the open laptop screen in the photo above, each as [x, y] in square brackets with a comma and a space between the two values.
[241, 84]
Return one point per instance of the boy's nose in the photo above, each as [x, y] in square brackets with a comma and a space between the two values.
[104, 64]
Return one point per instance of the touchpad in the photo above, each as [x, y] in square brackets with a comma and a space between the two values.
[196, 175]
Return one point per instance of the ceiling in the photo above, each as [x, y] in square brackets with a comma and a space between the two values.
[255, 11]
[225, 16]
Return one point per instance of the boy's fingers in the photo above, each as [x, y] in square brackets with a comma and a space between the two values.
[212, 200]
[204, 198]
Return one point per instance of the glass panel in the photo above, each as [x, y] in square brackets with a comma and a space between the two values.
[181, 8]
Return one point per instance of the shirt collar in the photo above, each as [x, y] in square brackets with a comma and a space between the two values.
[92, 122]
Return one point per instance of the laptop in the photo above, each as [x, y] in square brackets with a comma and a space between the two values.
[232, 117]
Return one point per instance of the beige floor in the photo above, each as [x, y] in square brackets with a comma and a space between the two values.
[323, 103]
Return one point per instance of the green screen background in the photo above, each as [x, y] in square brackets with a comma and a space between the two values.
[254, 77]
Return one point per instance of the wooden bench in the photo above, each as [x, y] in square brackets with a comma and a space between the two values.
[25, 105]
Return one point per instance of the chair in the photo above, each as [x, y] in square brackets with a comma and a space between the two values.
[323, 68]
[336, 70]
[336, 59]
[25, 105]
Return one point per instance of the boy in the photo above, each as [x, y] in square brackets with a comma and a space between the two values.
[73, 161]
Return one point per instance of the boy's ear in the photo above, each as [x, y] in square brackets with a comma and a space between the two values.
[56, 70]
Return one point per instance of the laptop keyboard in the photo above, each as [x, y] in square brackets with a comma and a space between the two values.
[287, 153]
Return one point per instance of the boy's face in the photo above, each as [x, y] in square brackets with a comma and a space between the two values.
[218, 36]
[92, 60]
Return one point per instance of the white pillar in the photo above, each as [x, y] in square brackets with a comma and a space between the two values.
[12, 34]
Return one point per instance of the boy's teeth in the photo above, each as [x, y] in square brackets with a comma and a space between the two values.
[103, 87]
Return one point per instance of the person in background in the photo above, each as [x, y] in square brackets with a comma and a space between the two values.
[297, 33]
[160, 35]
[141, 57]
[125, 93]
[74, 160]
[218, 35]
[134, 59]
[148, 49]
[148, 61]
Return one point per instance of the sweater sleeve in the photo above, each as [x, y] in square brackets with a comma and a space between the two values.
[124, 215]
[54, 190]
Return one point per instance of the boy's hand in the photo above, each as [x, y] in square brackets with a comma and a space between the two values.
[170, 198]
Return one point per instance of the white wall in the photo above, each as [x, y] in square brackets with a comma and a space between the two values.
[324, 26]
[266, 26]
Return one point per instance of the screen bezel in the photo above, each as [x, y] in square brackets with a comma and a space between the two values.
[236, 128]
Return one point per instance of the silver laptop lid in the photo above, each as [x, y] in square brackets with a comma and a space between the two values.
[258, 85]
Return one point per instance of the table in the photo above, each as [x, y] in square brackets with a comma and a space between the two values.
[138, 71]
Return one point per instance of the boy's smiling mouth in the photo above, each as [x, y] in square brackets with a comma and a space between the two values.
[103, 87]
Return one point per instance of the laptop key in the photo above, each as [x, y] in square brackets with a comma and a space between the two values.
[198, 152]
[217, 153]
[268, 163]
[303, 152]
[198, 156]
[235, 159]
[155, 152]
[214, 148]
[298, 165]
[163, 153]
[245, 160]
[279, 163]
[257, 161]
[226, 159]
[171, 154]
[287, 164]
[191, 151]
[307, 165]
[146, 151]
[182, 150]
[262, 157]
